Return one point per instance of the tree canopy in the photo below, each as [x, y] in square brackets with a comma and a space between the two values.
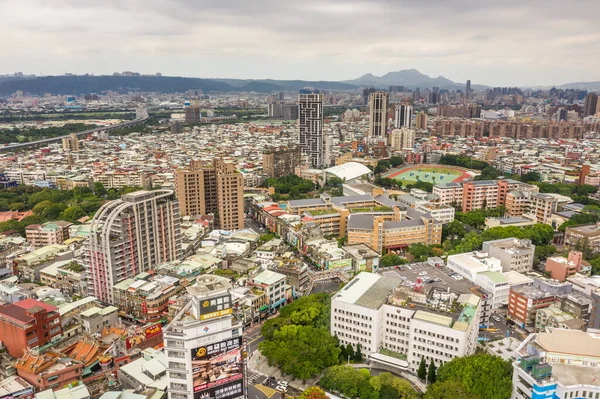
[313, 393]
[482, 375]
[354, 383]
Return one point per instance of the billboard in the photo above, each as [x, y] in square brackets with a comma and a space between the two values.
[217, 370]
[216, 307]
[345, 264]
[142, 334]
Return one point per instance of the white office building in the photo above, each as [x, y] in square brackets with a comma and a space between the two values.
[386, 317]
[471, 263]
[495, 284]
[203, 344]
[404, 114]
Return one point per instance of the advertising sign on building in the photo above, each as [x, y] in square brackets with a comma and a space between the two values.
[217, 370]
[216, 307]
[340, 264]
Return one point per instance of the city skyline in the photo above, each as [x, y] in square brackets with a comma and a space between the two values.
[491, 44]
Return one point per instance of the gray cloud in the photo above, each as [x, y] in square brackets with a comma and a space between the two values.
[498, 43]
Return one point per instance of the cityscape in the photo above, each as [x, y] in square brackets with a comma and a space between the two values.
[317, 222]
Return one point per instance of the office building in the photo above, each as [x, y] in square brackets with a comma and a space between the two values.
[384, 316]
[378, 105]
[421, 120]
[282, 161]
[310, 119]
[132, 235]
[70, 143]
[404, 114]
[203, 344]
[401, 139]
[560, 364]
[591, 104]
[28, 324]
[215, 188]
[514, 254]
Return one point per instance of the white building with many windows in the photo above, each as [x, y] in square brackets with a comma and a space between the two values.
[391, 320]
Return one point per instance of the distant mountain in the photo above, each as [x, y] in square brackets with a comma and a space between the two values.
[163, 84]
[409, 78]
[592, 86]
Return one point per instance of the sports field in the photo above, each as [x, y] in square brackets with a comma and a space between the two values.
[429, 174]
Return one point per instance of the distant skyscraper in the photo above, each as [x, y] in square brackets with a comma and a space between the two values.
[378, 104]
[310, 116]
[473, 111]
[591, 102]
[421, 120]
[132, 235]
[192, 114]
[416, 95]
[70, 143]
[404, 114]
[468, 90]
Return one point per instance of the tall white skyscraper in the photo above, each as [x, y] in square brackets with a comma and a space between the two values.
[132, 235]
[378, 103]
[204, 345]
[310, 116]
[404, 114]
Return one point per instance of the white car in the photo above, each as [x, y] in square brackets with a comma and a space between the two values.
[423, 274]
[281, 388]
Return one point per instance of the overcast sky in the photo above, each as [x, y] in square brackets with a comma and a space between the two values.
[524, 42]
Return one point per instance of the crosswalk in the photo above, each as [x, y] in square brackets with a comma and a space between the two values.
[255, 376]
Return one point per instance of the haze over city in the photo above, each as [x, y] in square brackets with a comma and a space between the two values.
[511, 43]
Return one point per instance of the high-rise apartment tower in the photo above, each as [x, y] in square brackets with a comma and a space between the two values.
[310, 115]
[132, 235]
[212, 188]
[378, 104]
[404, 113]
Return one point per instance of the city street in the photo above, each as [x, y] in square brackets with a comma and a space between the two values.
[326, 286]
[254, 225]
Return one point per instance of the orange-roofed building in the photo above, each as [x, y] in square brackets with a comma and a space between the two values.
[48, 370]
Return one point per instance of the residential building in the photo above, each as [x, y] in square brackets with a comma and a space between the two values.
[28, 324]
[201, 333]
[282, 161]
[581, 233]
[469, 264]
[524, 302]
[66, 276]
[144, 298]
[560, 268]
[595, 310]
[496, 286]
[147, 372]
[514, 254]
[560, 364]
[212, 188]
[364, 258]
[552, 317]
[421, 120]
[310, 119]
[404, 114]
[378, 107]
[48, 233]
[590, 106]
[192, 114]
[273, 284]
[374, 311]
[95, 319]
[401, 139]
[122, 178]
[132, 235]
[70, 143]
[14, 387]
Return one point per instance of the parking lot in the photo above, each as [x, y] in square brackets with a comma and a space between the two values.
[427, 273]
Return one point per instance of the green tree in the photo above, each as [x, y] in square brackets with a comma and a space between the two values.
[483, 375]
[358, 356]
[72, 213]
[453, 230]
[451, 389]
[396, 161]
[420, 251]
[530, 177]
[313, 393]
[422, 371]
[350, 351]
[99, 189]
[391, 259]
[301, 351]
[431, 372]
